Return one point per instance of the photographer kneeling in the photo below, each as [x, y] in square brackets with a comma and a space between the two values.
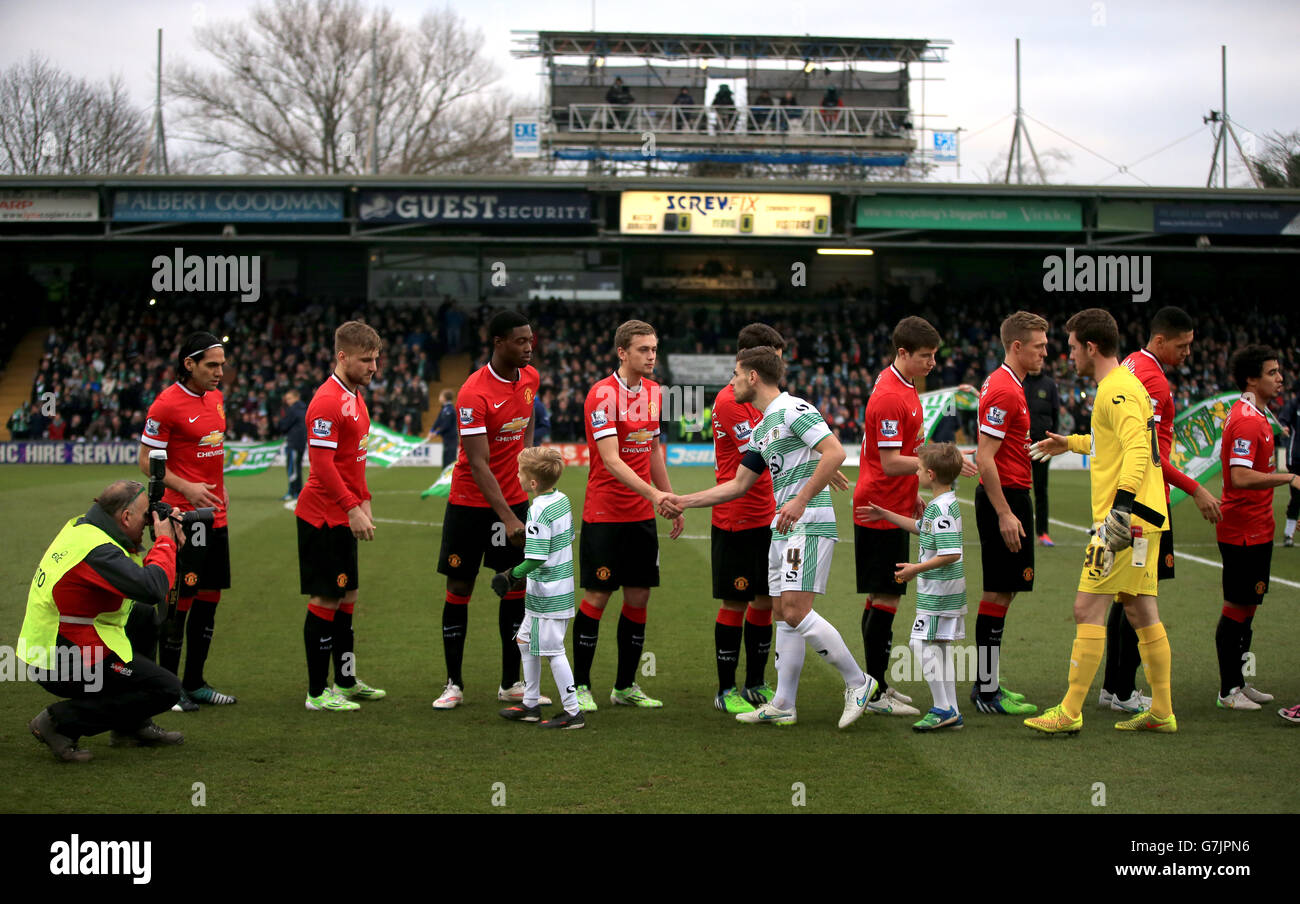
[83, 638]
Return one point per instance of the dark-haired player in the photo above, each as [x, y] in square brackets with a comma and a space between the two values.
[188, 420]
[893, 429]
[333, 514]
[1245, 534]
[741, 536]
[1168, 345]
[484, 523]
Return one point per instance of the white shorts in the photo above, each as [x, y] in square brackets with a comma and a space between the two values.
[799, 562]
[936, 627]
[543, 634]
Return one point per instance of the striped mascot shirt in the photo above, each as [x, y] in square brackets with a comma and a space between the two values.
[790, 428]
[941, 589]
[550, 540]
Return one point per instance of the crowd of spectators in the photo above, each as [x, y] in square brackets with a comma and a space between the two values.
[109, 357]
[112, 354]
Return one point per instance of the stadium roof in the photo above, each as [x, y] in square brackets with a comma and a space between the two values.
[666, 46]
[630, 183]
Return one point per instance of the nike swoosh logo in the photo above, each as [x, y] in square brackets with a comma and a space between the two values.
[766, 718]
[862, 701]
[195, 418]
[498, 404]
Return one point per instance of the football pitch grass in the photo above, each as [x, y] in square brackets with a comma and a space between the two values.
[268, 754]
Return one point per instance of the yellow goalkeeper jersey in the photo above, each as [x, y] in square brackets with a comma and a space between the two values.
[1125, 452]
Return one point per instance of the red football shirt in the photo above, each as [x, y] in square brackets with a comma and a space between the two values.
[612, 409]
[338, 431]
[1004, 415]
[893, 420]
[1147, 368]
[490, 404]
[192, 428]
[733, 424]
[1247, 441]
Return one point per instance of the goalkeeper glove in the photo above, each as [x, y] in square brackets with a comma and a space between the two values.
[1038, 453]
[1118, 526]
[502, 583]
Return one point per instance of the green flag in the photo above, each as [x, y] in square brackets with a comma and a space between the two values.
[388, 446]
[442, 486]
[250, 458]
[938, 403]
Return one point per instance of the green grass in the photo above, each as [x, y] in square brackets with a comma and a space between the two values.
[268, 754]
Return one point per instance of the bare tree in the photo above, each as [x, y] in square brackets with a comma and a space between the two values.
[52, 123]
[1052, 160]
[300, 90]
[1278, 160]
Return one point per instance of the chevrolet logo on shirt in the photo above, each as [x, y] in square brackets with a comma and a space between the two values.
[515, 425]
[212, 439]
[640, 436]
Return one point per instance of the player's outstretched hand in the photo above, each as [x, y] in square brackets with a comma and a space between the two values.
[679, 525]
[839, 481]
[968, 467]
[501, 583]
[1054, 444]
[670, 506]
[870, 511]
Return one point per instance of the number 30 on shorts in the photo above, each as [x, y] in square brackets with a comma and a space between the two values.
[1093, 558]
[794, 558]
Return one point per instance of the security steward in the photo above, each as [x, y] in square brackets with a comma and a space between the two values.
[84, 639]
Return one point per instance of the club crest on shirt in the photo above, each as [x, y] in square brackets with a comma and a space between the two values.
[598, 419]
[322, 427]
[528, 395]
[466, 416]
[1241, 447]
[889, 428]
[996, 416]
[221, 411]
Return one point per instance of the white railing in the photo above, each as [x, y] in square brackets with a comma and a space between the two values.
[882, 122]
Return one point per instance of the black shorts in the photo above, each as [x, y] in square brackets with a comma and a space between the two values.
[205, 567]
[1005, 571]
[473, 538]
[327, 560]
[1245, 572]
[740, 563]
[1165, 569]
[876, 554]
[618, 554]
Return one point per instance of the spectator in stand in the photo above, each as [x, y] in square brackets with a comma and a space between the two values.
[763, 109]
[793, 112]
[830, 111]
[724, 105]
[620, 98]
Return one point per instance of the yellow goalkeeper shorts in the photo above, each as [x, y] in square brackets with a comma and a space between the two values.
[1124, 577]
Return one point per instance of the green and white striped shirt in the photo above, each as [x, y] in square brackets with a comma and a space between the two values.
[550, 539]
[790, 428]
[941, 589]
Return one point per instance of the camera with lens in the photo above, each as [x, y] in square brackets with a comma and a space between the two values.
[157, 470]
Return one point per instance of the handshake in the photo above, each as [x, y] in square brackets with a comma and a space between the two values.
[671, 506]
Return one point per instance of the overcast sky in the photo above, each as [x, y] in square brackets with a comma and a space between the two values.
[1122, 78]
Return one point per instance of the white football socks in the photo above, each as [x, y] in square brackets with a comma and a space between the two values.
[563, 674]
[532, 675]
[938, 669]
[827, 642]
[789, 647]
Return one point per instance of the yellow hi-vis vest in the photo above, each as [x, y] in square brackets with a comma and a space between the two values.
[40, 630]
